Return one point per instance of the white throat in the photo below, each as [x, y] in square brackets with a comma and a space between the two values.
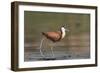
[63, 32]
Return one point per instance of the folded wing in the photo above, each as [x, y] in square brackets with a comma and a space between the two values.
[53, 36]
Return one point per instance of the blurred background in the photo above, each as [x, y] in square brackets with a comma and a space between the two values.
[75, 45]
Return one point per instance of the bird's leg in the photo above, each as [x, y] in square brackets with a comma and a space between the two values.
[41, 47]
[52, 51]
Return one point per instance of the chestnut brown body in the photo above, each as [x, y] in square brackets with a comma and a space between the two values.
[53, 36]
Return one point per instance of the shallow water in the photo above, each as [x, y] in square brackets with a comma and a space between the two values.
[77, 47]
[61, 53]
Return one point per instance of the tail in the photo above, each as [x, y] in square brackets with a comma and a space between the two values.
[43, 33]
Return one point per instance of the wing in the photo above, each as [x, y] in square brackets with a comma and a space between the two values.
[54, 36]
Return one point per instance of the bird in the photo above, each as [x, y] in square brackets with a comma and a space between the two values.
[54, 36]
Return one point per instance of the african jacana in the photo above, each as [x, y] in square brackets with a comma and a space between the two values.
[54, 37]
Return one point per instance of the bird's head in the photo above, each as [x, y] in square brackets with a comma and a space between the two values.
[64, 28]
